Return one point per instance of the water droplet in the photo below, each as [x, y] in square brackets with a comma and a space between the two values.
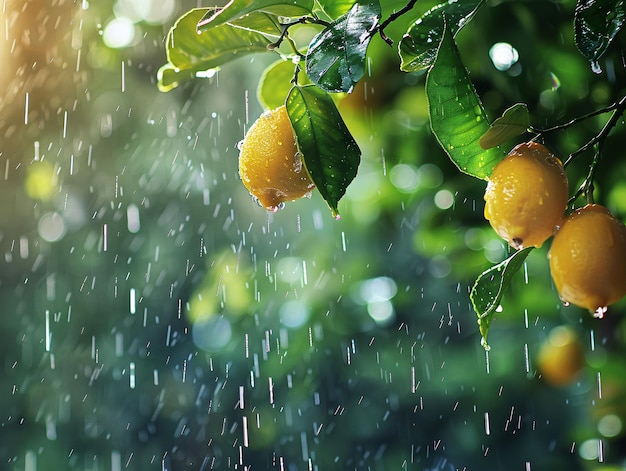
[297, 162]
[595, 67]
[599, 313]
[484, 343]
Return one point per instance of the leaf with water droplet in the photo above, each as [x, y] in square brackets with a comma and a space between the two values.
[489, 288]
[330, 153]
[513, 122]
[335, 61]
[457, 117]
[418, 47]
[236, 9]
[190, 53]
[596, 23]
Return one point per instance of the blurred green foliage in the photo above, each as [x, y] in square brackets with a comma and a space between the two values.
[153, 317]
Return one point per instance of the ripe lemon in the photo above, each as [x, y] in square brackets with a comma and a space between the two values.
[561, 357]
[588, 259]
[270, 165]
[526, 195]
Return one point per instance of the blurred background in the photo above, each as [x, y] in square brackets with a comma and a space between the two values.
[154, 317]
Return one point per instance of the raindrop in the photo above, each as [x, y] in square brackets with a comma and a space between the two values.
[595, 67]
[599, 313]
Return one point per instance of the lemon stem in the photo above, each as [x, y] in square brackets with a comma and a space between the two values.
[587, 187]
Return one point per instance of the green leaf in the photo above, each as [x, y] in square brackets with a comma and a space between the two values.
[596, 23]
[489, 287]
[330, 153]
[457, 117]
[418, 47]
[513, 122]
[190, 53]
[335, 60]
[235, 9]
[259, 22]
[336, 8]
[276, 83]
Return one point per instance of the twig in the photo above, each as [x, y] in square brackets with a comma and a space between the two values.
[618, 109]
[394, 16]
[285, 31]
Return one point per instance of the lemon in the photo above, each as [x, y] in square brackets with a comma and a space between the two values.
[270, 165]
[588, 259]
[526, 196]
[561, 357]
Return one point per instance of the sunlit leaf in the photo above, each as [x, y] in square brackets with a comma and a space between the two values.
[259, 22]
[237, 8]
[418, 47]
[336, 8]
[330, 153]
[457, 116]
[276, 82]
[336, 57]
[489, 287]
[189, 53]
[596, 23]
[513, 122]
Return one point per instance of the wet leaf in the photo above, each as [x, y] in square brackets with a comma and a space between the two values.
[276, 82]
[330, 153]
[418, 47]
[457, 117]
[259, 22]
[189, 53]
[336, 57]
[489, 287]
[513, 122]
[235, 9]
[596, 23]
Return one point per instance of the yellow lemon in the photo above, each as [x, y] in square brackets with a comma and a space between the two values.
[588, 259]
[526, 196]
[270, 164]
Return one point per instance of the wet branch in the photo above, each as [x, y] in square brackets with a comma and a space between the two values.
[394, 16]
[284, 35]
[617, 109]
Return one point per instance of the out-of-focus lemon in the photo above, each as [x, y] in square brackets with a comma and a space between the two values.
[560, 357]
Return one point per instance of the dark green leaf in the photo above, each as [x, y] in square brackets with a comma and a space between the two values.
[513, 122]
[457, 116]
[190, 53]
[276, 82]
[489, 287]
[596, 23]
[418, 47]
[336, 57]
[330, 153]
[235, 9]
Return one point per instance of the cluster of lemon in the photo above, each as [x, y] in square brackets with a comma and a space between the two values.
[526, 202]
